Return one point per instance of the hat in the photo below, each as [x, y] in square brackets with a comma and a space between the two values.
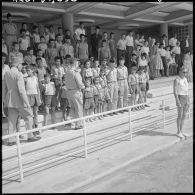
[15, 61]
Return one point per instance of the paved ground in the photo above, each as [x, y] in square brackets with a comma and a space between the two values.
[168, 171]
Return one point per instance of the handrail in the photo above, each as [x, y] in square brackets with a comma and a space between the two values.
[84, 129]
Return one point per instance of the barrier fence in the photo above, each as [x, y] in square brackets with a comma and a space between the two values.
[84, 136]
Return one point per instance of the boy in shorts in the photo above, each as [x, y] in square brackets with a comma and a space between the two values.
[49, 91]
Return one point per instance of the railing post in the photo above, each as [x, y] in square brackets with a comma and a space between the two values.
[163, 112]
[19, 158]
[85, 137]
[130, 125]
[189, 112]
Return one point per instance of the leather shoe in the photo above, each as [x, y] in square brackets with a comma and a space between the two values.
[33, 139]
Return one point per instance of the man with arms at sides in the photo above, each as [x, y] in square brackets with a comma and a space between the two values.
[16, 100]
[181, 93]
[74, 84]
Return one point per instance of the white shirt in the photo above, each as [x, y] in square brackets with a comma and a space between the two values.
[143, 62]
[181, 86]
[172, 42]
[145, 49]
[23, 43]
[176, 50]
[49, 88]
[168, 55]
[162, 52]
[78, 32]
[187, 43]
[121, 44]
[31, 85]
[129, 41]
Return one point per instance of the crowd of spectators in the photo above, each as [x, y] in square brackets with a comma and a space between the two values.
[59, 74]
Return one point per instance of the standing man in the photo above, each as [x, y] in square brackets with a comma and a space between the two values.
[181, 93]
[80, 31]
[16, 100]
[74, 85]
[129, 47]
[153, 52]
[164, 40]
[173, 41]
[95, 42]
[10, 32]
[122, 76]
[111, 75]
[121, 47]
[112, 45]
[185, 44]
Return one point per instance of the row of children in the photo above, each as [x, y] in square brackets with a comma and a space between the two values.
[107, 87]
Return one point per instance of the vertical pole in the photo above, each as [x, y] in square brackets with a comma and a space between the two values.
[163, 112]
[19, 158]
[130, 125]
[189, 112]
[85, 137]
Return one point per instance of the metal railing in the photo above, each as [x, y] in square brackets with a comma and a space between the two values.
[84, 129]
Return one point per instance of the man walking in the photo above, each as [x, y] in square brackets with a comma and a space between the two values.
[74, 85]
[16, 100]
[180, 90]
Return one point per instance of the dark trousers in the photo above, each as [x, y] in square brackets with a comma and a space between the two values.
[129, 52]
[178, 61]
[164, 61]
[95, 53]
[120, 53]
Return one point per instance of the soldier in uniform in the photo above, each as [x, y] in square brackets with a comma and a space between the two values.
[122, 76]
[10, 32]
[111, 75]
[74, 85]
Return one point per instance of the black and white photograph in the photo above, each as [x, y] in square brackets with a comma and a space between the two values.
[97, 97]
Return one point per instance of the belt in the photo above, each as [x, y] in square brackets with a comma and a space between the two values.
[121, 49]
[72, 89]
[11, 35]
[121, 79]
[112, 82]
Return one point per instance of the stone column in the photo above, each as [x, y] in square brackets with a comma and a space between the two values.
[68, 22]
[164, 30]
[190, 29]
[88, 33]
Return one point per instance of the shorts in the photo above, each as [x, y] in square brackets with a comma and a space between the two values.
[64, 103]
[34, 100]
[142, 86]
[50, 101]
[135, 88]
[184, 100]
[25, 112]
[89, 103]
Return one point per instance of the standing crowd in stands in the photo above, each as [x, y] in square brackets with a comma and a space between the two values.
[59, 74]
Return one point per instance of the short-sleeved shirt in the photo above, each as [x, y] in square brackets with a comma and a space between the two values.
[43, 47]
[172, 42]
[122, 73]
[10, 29]
[87, 72]
[176, 50]
[67, 49]
[31, 85]
[19, 55]
[133, 79]
[162, 52]
[96, 71]
[49, 88]
[36, 37]
[103, 81]
[30, 59]
[143, 78]
[129, 41]
[111, 75]
[57, 72]
[143, 62]
[121, 44]
[23, 43]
